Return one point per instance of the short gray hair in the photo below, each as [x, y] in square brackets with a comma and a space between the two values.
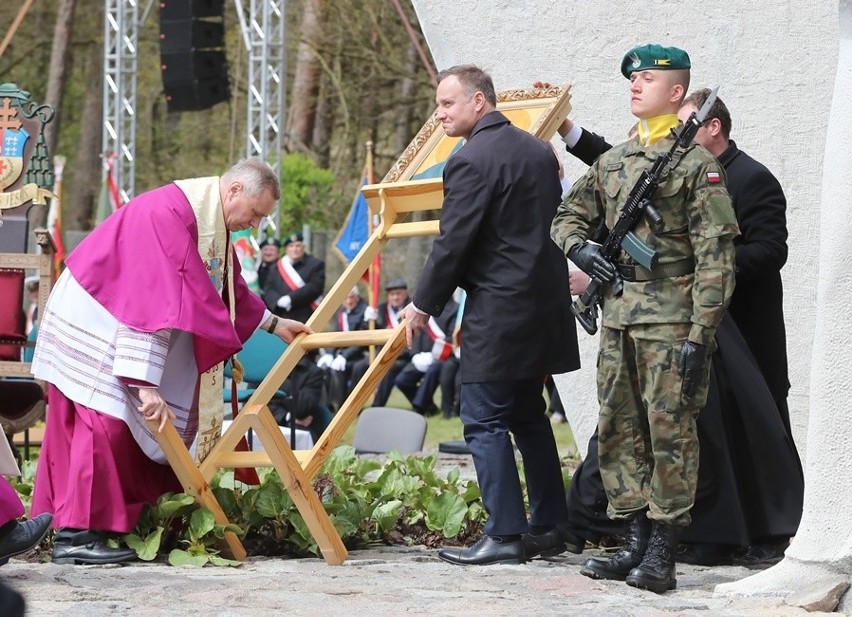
[256, 176]
[473, 79]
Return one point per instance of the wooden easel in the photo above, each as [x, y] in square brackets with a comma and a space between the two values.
[393, 200]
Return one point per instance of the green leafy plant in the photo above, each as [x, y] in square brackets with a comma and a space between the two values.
[401, 500]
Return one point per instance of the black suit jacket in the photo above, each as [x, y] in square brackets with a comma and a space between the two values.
[757, 304]
[501, 190]
[355, 321]
[382, 322]
[312, 271]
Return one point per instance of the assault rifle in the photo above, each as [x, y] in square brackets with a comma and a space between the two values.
[585, 308]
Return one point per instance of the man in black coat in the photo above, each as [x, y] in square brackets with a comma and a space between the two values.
[340, 362]
[725, 439]
[387, 315]
[757, 305]
[501, 190]
[419, 379]
[292, 289]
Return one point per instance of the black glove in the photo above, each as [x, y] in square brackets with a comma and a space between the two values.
[693, 357]
[590, 260]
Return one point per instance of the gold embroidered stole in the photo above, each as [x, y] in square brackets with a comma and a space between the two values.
[214, 249]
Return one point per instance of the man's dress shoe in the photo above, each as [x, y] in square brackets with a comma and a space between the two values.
[762, 555]
[82, 546]
[573, 543]
[485, 552]
[706, 554]
[19, 537]
[548, 544]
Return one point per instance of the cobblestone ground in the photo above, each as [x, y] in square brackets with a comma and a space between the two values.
[379, 581]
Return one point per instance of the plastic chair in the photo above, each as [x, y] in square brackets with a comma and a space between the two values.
[382, 429]
[258, 356]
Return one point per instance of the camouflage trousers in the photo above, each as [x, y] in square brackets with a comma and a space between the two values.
[648, 445]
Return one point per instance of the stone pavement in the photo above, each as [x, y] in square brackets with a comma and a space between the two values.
[377, 581]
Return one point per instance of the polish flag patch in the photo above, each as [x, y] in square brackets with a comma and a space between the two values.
[713, 177]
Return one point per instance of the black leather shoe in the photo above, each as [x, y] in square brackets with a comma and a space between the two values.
[547, 544]
[762, 555]
[706, 554]
[485, 552]
[19, 537]
[573, 543]
[79, 547]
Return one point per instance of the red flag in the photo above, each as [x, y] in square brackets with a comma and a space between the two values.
[54, 216]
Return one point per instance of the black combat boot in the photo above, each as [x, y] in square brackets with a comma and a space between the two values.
[619, 565]
[657, 571]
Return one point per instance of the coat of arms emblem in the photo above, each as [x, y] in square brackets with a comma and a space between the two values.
[13, 138]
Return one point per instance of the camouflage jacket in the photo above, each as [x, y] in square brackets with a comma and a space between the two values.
[699, 225]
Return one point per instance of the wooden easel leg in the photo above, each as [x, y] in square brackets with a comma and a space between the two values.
[194, 484]
[298, 484]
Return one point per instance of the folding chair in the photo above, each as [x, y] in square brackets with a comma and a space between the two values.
[382, 429]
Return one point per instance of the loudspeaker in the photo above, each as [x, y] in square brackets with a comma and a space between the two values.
[193, 63]
[197, 94]
[190, 64]
[184, 34]
[187, 9]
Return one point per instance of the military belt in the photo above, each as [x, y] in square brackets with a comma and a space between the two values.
[634, 273]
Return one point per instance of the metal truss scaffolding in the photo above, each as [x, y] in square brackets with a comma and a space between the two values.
[121, 37]
[263, 34]
[264, 39]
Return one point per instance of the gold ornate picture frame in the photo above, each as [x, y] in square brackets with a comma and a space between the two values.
[536, 110]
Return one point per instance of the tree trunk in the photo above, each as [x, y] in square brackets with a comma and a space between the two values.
[324, 124]
[85, 185]
[303, 102]
[417, 248]
[57, 72]
[56, 77]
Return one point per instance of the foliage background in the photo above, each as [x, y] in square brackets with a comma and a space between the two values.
[365, 82]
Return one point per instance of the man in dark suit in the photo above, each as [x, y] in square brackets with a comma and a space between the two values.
[387, 315]
[270, 249]
[501, 190]
[349, 317]
[420, 378]
[293, 288]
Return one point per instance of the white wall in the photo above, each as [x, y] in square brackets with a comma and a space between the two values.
[775, 63]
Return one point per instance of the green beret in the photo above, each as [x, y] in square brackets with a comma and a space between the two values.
[270, 241]
[654, 58]
[296, 236]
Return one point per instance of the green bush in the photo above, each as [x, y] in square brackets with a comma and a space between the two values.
[307, 194]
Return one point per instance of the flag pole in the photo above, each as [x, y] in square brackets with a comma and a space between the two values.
[372, 295]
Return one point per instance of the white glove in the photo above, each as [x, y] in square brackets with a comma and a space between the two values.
[338, 364]
[285, 302]
[325, 360]
[422, 361]
[370, 314]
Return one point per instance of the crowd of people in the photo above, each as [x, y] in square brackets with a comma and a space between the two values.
[693, 459]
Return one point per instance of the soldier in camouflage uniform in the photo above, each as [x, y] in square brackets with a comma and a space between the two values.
[657, 336]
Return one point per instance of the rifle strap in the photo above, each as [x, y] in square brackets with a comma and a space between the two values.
[634, 273]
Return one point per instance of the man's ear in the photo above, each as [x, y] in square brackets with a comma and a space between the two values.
[714, 126]
[479, 99]
[677, 93]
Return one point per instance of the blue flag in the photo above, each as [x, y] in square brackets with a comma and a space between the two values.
[355, 232]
